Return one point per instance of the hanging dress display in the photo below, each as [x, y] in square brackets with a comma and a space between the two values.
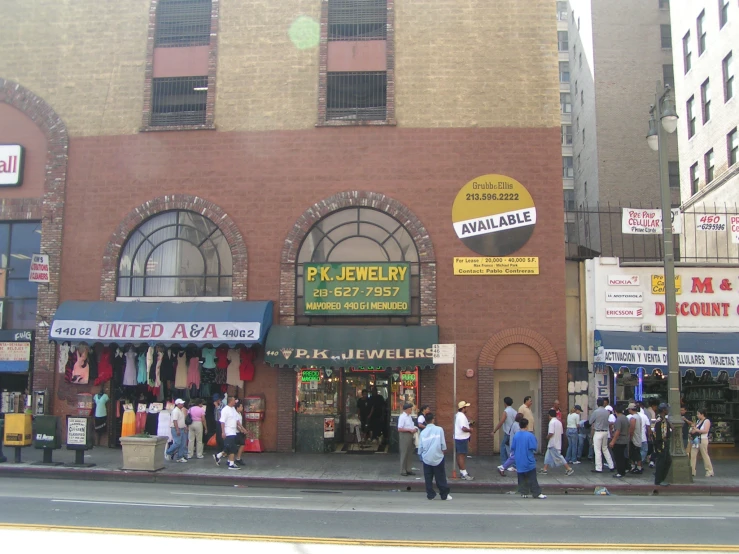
[129, 423]
[105, 367]
[63, 357]
[246, 369]
[180, 380]
[233, 377]
[141, 375]
[119, 363]
[167, 372]
[129, 374]
[165, 420]
[193, 372]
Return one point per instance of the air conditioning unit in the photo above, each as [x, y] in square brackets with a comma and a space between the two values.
[647, 328]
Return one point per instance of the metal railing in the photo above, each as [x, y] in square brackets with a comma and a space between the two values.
[706, 235]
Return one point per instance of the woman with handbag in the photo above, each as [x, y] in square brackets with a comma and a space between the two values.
[196, 428]
[699, 435]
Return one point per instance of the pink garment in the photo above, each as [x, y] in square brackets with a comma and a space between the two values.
[197, 413]
[193, 372]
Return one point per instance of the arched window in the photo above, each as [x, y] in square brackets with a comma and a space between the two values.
[177, 253]
[359, 235]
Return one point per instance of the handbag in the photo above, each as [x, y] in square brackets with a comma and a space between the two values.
[212, 441]
[188, 419]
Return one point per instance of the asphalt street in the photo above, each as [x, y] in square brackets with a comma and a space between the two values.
[335, 514]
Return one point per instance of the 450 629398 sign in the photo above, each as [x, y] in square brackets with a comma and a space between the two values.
[357, 288]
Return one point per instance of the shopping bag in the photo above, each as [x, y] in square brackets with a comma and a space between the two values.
[212, 441]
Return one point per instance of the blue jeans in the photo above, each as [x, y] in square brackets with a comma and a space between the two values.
[505, 448]
[581, 445]
[572, 445]
[439, 473]
[178, 449]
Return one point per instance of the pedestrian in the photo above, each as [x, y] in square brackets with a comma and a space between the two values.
[178, 449]
[636, 432]
[212, 421]
[662, 434]
[229, 428]
[700, 443]
[406, 431]
[599, 421]
[511, 461]
[647, 447]
[431, 448]
[196, 430]
[524, 446]
[240, 433]
[688, 424]
[377, 416]
[651, 412]
[583, 438]
[506, 422]
[554, 456]
[363, 412]
[573, 435]
[421, 420]
[620, 442]
[525, 409]
[555, 407]
[462, 433]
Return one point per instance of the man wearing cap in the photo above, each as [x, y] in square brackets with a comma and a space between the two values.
[178, 449]
[662, 434]
[406, 431]
[462, 433]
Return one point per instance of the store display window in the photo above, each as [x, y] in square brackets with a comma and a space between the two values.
[404, 389]
[317, 391]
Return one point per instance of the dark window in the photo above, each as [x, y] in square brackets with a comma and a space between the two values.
[356, 96]
[183, 23]
[701, 32]
[357, 19]
[694, 179]
[666, 36]
[708, 163]
[686, 52]
[568, 170]
[177, 253]
[179, 101]
[723, 13]
[566, 135]
[664, 4]
[18, 242]
[668, 75]
[562, 42]
[564, 72]
[727, 67]
[359, 235]
[673, 170]
[732, 145]
[691, 116]
[569, 197]
[565, 102]
[706, 101]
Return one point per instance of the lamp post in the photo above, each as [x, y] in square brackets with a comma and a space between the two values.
[663, 111]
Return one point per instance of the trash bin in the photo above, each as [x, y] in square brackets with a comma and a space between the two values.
[46, 432]
[18, 430]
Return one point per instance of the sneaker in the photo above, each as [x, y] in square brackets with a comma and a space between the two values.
[234, 466]
[467, 477]
[543, 472]
[651, 464]
[168, 457]
[201, 457]
[501, 471]
[617, 476]
[576, 462]
[637, 471]
[448, 497]
[217, 458]
[182, 460]
[524, 496]
[595, 471]
[541, 496]
[239, 463]
[511, 469]
[569, 471]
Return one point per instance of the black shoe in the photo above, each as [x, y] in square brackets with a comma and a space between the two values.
[410, 473]
[239, 463]
[595, 471]
[637, 471]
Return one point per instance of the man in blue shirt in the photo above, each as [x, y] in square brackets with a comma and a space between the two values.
[431, 448]
[523, 447]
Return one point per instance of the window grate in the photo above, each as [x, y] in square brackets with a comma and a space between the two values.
[183, 23]
[179, 101]
[356, 96]
[357, 19]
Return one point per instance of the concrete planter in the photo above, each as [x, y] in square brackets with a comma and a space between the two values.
[143, 453]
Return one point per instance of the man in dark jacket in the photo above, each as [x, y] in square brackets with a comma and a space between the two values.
[212, 418]
[662, 434]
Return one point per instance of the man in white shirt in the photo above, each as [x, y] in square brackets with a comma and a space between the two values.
[431, 448]
[230, 422]
[462, 433]
[406, 430]
[178, 450]
[554, 455]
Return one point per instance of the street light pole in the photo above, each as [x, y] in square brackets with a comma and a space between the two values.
[663, 120]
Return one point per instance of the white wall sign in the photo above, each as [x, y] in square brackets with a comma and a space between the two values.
[624, 280]
[625, 312]
[648, 222]
[659, 358]
[444, 353]
[77, 431]
[11, 165]
[39, 269]
[15, 351]
[618, 296]
[711, 223]
[213, 331]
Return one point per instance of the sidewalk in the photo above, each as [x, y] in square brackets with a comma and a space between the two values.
[363, 472]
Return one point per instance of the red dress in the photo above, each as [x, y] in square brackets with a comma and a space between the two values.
[246, 369]
[105, 367]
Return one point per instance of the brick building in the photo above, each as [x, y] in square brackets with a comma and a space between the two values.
[262, 128]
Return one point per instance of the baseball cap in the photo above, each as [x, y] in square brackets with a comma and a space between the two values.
[577, 407]
[631, 406]
[609, 408]
[407, 405]
[216, 397]
[663, 406]
[178, 402]
[463, 404]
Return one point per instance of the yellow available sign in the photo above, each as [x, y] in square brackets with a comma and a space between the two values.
[494, 215]
[496, 266]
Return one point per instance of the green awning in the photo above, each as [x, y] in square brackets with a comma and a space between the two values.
[361, 347]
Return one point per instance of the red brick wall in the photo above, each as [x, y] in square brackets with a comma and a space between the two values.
[266, 181]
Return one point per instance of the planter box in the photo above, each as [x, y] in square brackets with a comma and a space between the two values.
[143, 453]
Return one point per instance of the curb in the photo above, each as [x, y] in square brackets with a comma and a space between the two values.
[103, 475]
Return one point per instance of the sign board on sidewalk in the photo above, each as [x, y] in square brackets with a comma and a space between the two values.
[444, 353]
[76, 431]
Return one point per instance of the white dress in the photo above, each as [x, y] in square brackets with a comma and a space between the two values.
[63, 357]
[233, 377]
[129, 374]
